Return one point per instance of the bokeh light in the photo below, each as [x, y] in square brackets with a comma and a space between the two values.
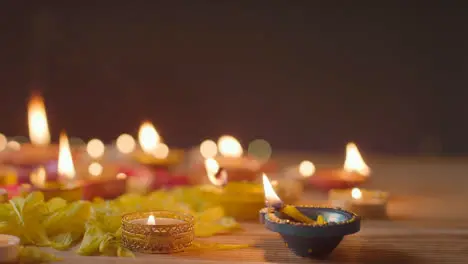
[125, 144]
[95, 148]
[306, 168]
[260, 149]
[95, 169]
[121, 176]
[208, 149]
[161, 151]
[3, 142]
[229, 146]
[14, 145]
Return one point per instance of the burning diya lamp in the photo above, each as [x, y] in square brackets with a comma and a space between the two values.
[103, 181]
[240, 200]
[308, 231]
[153, 152]
[228, 152]
[159, 232]
[25, 157]
[354, 172]
[63, 181]
[367, 203]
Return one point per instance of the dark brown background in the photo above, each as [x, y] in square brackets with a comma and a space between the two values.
[301, 74]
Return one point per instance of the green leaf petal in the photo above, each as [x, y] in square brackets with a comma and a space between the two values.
[123, 252]
[91, 240]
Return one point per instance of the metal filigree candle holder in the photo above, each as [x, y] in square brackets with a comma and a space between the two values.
[159, 238]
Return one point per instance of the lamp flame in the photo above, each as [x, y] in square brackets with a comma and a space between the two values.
[38, 176]
[148, 137]
[356, 193]
[151, 220]
[65, 160]
[37, 122]
[271, 197]
[354, 161]
[212, 169]
[229, 146]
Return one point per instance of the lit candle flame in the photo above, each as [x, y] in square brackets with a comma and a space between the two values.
[212, 168]
[38, 176]
[356, 193]
[229, 146]
[306, 168]
[148, 137]
[354, 161]
[37, 122]
[65, 160]
[270, 195]
[208, 149]
[151, 220]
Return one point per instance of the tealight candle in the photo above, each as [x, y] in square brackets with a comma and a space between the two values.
[354, 172]
[157, 232]
[9, 248]
[366, 203]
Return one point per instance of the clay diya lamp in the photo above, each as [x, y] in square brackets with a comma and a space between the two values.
[369, 204]
[308, 231]
[354, 172]
[153, 152]
[313, 240]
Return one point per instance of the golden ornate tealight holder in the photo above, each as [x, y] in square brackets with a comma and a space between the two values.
[158, 232]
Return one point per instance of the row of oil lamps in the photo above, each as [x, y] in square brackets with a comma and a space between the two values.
[79, 173]
[221, 171]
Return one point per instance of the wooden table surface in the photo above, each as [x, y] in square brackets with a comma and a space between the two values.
[428, 210]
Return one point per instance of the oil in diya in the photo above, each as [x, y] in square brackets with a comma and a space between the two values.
[354, 172]
[308, 231]
[369, 204]
[158, 232]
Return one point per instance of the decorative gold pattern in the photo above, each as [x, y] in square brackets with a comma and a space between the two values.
[157, 239]
[270, 214]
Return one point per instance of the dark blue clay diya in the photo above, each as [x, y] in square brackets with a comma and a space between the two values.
[312, 240]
